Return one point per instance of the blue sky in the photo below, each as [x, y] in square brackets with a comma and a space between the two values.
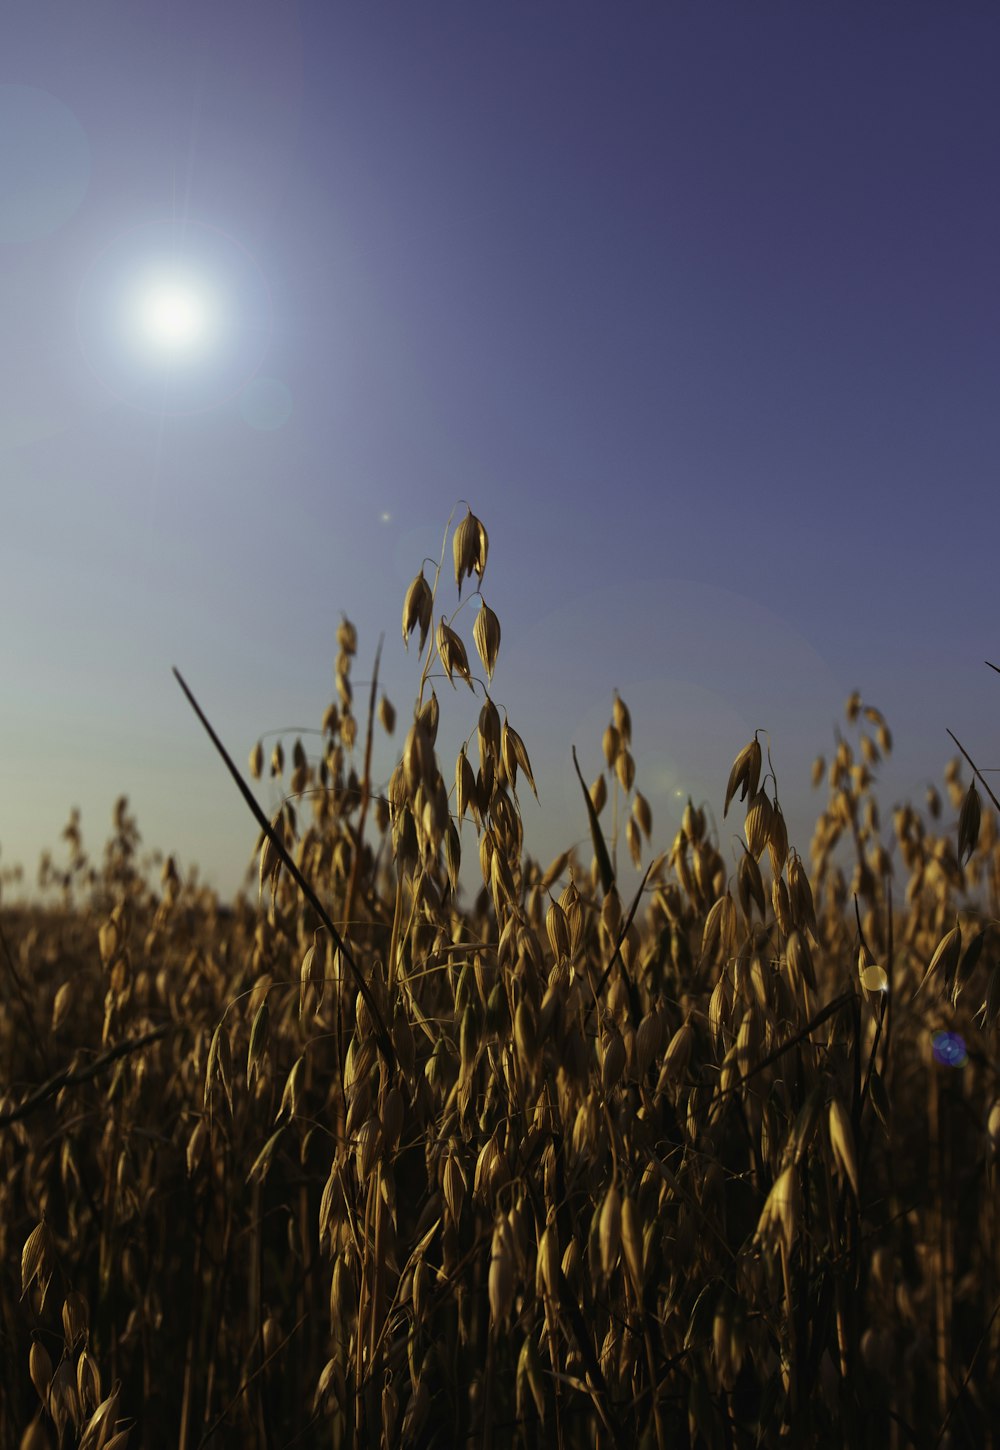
[697, 306]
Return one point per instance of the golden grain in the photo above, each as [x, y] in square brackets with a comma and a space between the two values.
[625, 1147]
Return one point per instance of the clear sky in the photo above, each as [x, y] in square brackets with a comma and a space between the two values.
[696, 304]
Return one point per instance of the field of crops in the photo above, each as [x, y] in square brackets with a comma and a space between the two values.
[711, 1165]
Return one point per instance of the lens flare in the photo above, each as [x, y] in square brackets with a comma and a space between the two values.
[949, 1049]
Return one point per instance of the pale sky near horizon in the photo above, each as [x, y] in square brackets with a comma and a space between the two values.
[697, 306]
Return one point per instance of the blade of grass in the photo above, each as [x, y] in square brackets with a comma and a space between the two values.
[70, 1076]
[381, 1033]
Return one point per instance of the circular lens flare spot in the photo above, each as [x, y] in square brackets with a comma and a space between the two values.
[949, 1049]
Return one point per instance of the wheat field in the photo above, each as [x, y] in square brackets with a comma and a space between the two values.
[351, 1164]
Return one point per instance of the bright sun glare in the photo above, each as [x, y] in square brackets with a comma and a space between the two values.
[174, 317]
[173, 314]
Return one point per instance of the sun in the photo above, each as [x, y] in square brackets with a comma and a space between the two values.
[173, 314]
[174, 317]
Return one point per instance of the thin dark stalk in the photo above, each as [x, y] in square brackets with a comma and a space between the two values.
[244, 1386]
[71, 1077]
[975, 768]
[381, 1034]
[829, 1010]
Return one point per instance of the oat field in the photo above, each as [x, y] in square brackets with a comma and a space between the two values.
[354, 1164]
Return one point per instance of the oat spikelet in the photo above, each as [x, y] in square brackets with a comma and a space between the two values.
[465, 786]
[40, 1369]
[782, 910]
[453, 656]
[261, 1164]
[970, 959]
[622, 719]
[62, 1004]
[799, 959]
[968, 824]
[366, 1147]
[501, 1275]
[678, 1054]
[75, 1318]
[610, 1229]
[291, 1097]
[270, 860]
[513, 754]
[417, 608]
[220, 1065]
[632, 1243]
[801, 897]
[642, 813]
[842, 1142]
[781, 1210]
[945, 958]
[64, 1401]
[347, 636]
[744, 775]
[612, 1057]
[463, 545]
[648, 1041]
[470, 546]
[777, 840]
[529, 1378]
[454, 1184]
[625, 768]
[547, 1265]
[758, 823]
[873, 977]
[525, 1034]
[719, 1011]
[418, 759]
[720, 929]
[611, 744]
[486, 634]
[429, 715]
[750, 885]
[36, 1256]
[489, 733]
[557, 930]
[258, 1041]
